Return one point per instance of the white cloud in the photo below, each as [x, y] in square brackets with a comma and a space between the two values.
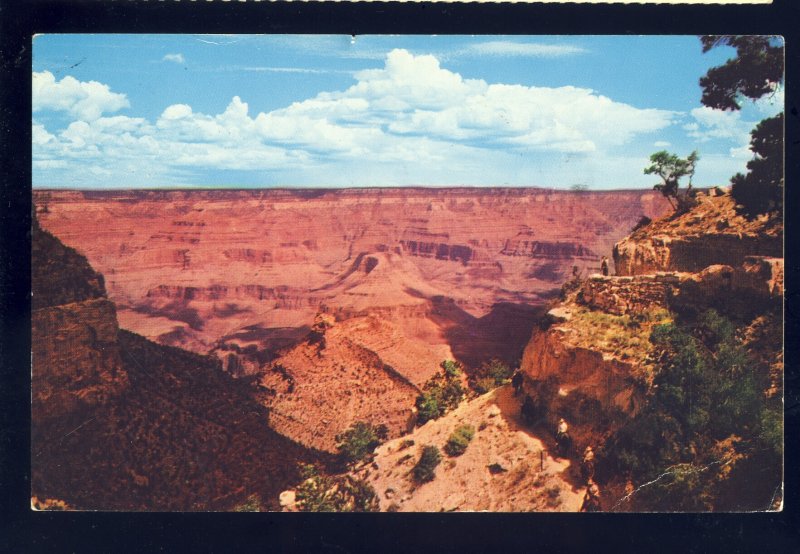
[710, 124]
[176, 111]
[413, 96]
[409, 122]
[528, 49]
[176, 58]
[85, 100]
[39, 135]
[661, 144]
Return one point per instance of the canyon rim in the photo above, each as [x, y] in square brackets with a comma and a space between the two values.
[423, 274]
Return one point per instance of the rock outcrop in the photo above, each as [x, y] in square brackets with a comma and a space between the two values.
[503, 469]
[326, 383]
[712, 233]
[121, 423]
[591, 360]
[75, 352]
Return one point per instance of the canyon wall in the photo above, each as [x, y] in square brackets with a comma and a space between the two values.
[76, 359]
[713, 233]
[590, 360]
[222, 271]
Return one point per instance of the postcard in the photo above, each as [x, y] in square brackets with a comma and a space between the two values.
[407, 273]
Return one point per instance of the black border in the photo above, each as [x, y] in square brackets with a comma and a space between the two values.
[24, 531]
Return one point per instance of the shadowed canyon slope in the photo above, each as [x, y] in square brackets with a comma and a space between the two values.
[119, 422]
[409, 276]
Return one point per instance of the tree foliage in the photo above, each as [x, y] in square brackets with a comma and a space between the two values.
[755, 71]
[489, 375]
[671, 168]
[358, 441]
[441, 393]
[761, 189]
[705, 408]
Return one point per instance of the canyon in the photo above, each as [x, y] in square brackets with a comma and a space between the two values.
[289, 354]
[406, 277]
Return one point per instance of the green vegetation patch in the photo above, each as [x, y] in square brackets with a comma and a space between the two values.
[425, 470]
[459, 440]
[323, 493]
[625, 337]
[443, 392]
[491, 374]
[359, 441]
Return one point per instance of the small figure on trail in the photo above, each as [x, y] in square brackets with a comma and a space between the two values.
[563, 439]
[575, 272]
[604, 266]
[528, 411]
[516, 382]
[591, 500]
[587, 464]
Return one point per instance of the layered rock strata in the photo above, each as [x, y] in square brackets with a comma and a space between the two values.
[202, 269]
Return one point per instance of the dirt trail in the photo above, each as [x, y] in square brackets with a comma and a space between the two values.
[504, 468]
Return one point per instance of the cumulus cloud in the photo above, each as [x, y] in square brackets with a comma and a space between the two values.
[661, 144]
[415, 96]
[528, 49]
[410, 121]
[85, 100]
[711, 124]
[176, 58]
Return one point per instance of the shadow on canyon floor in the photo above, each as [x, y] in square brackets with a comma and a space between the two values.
[502, 333]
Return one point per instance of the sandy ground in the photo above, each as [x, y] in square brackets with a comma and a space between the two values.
[504, 469]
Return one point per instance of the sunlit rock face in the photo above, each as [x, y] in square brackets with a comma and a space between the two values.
[712, 233]
[421, 274]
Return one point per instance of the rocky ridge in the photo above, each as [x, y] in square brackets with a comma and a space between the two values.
[590, 361]
[119, 422]
[503, 469]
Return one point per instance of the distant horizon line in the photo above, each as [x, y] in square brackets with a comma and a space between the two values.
[199, 188]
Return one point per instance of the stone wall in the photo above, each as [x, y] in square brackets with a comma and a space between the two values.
[627, 295]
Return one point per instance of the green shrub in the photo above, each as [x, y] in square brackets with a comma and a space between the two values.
[441, 393]
[321, 493]
[498, 370]
[425, 470]
[428, 406]
[359, 441]
[771, 432]
[489, 375]
[459, 440]
[706, 389]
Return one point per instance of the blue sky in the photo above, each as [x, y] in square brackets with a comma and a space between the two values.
[149, 111]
